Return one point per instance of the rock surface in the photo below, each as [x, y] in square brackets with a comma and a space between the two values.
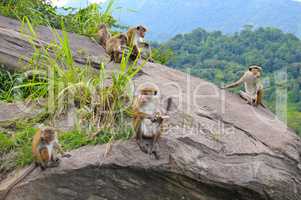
[216, 148]
[16, 50]
[10, 113]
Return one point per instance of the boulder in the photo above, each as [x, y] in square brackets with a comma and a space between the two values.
[216, 147]
[16, 50]
[10, 113]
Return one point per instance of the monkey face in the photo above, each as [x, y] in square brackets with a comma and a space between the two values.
[101, 27]
[49, 135]
[141, 31]
[149, 103]
[256, 72]
[144, 98]
[147, 96]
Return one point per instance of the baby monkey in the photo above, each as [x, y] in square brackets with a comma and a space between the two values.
[148, 120]
[115, 46]
[44, 146]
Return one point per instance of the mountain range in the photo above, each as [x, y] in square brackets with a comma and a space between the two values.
[167, 18]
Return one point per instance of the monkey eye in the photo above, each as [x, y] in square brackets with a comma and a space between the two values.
[155, 93]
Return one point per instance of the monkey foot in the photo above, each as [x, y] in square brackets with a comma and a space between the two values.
[54, 163]
[147, 146]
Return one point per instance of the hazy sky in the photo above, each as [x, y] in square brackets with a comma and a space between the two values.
[61, 3]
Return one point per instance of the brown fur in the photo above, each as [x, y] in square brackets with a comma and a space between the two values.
[114, 47]
[259, 97]
[103, 34]
[41, 139]
[131, 33]
[40, 152]
[141, 104]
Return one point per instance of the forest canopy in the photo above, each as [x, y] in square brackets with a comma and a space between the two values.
[223, 58]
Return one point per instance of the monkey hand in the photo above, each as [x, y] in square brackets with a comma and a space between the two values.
[156, 117]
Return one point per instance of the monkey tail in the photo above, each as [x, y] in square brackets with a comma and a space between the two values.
[169, 103]
[19, 179]
[262, 104]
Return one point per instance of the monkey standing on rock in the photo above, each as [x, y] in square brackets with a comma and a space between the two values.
[253, 87]
[44, 146]
[148, 120]
[115, 46]
[138, 44]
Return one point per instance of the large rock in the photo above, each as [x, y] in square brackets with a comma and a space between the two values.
[16, 50]
[10, 113]
[216, 148]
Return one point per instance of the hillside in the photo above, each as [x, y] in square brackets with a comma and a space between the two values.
[55, 78]
[222, 59]
[167, 18]
[209, 150]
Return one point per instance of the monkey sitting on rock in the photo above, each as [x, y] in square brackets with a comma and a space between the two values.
[148, 120]
[253, 87]
[44, 146]
[131, 42]
[114, 45]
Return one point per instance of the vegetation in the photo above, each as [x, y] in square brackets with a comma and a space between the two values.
[222, 59]
[19, 145]
[101, 109]
[161, 53]
[40, 12]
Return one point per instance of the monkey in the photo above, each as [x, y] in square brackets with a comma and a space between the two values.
[145, 51]
[148, 120]
[44, 144]
[137, 43]
[253, 88]
[103, 35]
[115, 45]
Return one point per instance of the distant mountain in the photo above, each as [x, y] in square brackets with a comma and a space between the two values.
[222, 58]
[169, 17]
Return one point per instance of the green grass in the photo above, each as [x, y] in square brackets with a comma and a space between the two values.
[75, 139]
[83, 21]
[294, 119]
[20, 142]
[65, 84]
[54, 75]
[162, 54]
[100, 109]
[6, 143]
[12, 86]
